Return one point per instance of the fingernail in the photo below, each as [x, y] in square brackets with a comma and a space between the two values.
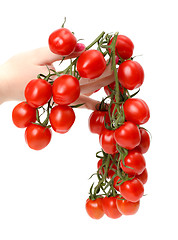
[79, 47]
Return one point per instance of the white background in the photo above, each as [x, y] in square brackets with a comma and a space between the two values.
[43, 193]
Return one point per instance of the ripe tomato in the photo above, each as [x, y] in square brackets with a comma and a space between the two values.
[62, 42]
[145, 141]
[37, 137]
[127, 207]
[127, 135]
[117, 180]
[143, 177]
[38, 92]
[96, 121]
[136, 110]
[135, 161]
[91, 64]
[107, 141]
[66, 89]
[110, 208]
[112, 86]
[23, 114]
[94, 208]
[132, 190]
[130, 74]
[62, 118]
[111, 172]
[124, 46]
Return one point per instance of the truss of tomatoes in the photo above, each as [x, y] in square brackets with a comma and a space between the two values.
[117, 120]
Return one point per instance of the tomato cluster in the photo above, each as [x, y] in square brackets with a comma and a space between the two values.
[121, 169]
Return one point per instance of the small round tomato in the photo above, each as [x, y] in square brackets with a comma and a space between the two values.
[91, 64]
[110, 208]
[61, 118]
[38, 92]
[145, 141]
[112, 86]
[107, 141]
[127, 135]
[23, 114]
[136, 110]
[134, 163]
[62, 42]
[117, 180]
[124, 46]
[37, 137]
[127, 207]
[143, 177]
[132, 190]
[94, 208]
[130, 74]
[96, 121]
[66, 89]
[111, 170]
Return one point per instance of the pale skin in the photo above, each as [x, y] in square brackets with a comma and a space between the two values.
[23, 67]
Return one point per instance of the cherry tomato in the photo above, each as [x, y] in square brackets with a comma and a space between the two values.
[127, 207]
[23, 114]
[96, 121]
[132, 190]
[94, 208]
[110, 208]
[143, 177]
[91, 64]
[38, 92]
[130, 74]
[107, 141]
[112, 86]
[37, 137]
[145, 141]
[117, 180]
[134, 163]
[136, 110]
[124, 46]
[127, 135]
[62, 118]
[66, 89]
[62, 42]
[111, 169]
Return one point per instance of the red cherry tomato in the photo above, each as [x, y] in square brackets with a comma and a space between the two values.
[62, 118]
[38, 92]
[107, 141]
[111, 169]
[132, 190]
[130, 74]
[134, 163]
[91, 64]
[110, 208]
[117, 180]
[127, 135]
[124, 46]
[37, 137]
[136, 110]
[145, 141]
[96, 121]
[143, 177]
[127, 207]
[66, 89]
[94, 208]
[23, 114]
[62, 42]
[112, 86]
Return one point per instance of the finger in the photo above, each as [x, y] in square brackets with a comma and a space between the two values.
[89, 103]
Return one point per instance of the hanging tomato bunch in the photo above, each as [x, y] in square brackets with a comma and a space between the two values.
[117, 120]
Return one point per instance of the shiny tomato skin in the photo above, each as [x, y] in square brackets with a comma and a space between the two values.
[127, 207]
[117, 180]
[37, 137]
[127, 135]
[61, 118]
[38, 92]
[145, 141]
[94, 208]
[130, 74]
[132, 190]
[96, 121]
[136, 110]
[135, 161]
[66, 89]
[143, 177]
[91, 64]
[110, 208]
[62, 42]
[107, 141]
[23, 114]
